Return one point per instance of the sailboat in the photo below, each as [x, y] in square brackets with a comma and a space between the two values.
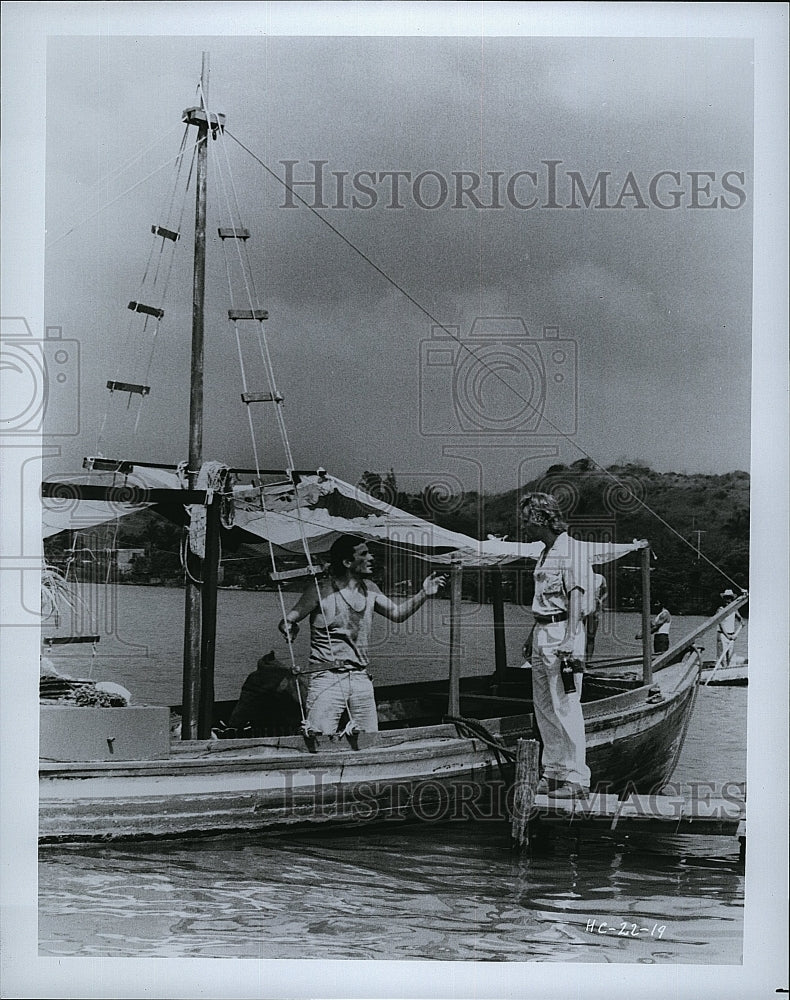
[445, 748]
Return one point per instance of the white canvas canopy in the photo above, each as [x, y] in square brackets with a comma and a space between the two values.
[311, 514]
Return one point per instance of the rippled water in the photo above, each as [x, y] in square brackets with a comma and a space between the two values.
[452, 893]
[444, 892]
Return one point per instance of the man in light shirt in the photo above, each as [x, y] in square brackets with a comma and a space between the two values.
[564, 594]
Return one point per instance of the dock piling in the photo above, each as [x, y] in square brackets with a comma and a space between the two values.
[524, 786]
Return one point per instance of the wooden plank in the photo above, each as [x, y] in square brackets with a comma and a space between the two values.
[197, 116]
[166, 234]
[67, 640]
[148, 310]
[239, 472]
[261, 397]
[107, 465]
[666, 815]
[259, 314]
[294, 574]
[124, 493]
[143, 390]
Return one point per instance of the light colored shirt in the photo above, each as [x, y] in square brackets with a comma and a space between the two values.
[561, 569]
[729, 625]
[662, 621]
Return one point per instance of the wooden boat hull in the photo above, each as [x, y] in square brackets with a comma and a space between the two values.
[428, 773]
[214, 789]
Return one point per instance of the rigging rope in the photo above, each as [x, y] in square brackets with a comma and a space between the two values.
[102, 208]
[106, 178]
[138, 359]
[251, 292]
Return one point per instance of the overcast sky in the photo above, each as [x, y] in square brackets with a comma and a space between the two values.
[652, 304]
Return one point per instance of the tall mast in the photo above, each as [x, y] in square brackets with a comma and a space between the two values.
[196, 724]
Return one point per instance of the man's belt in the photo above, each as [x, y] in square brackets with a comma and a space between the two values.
[561, 616]
[333, 667]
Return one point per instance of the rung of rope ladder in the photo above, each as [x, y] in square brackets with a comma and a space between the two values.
[143, 390]
[261, 397]
[235, 314]
[233, 234]
[148, 310]
[67, 640]
[293, 574]
[166, 234]
[107, 465]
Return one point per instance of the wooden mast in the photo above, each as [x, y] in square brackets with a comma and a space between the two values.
[191, 727]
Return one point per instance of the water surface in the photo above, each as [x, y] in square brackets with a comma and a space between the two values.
[440, 892]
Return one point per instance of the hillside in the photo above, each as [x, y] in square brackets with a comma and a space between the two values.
[697, 525]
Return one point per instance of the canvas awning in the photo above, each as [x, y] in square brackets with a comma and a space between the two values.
[312, 514]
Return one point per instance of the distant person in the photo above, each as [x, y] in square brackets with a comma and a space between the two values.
[593, 619]
[269, 701]
[727, 630]
[660, 625]
[340, 625]
[563, 590]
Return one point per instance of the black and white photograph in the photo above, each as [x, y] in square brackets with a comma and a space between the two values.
[395, 540]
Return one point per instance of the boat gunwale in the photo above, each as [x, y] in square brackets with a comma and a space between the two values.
[388, 745]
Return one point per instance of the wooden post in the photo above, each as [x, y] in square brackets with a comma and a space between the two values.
[208, 632]
[454, 685]
[647, 637]
[192, 604]
[524, 785]
[498, 608]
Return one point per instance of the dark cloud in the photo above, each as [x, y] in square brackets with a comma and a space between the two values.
[657, 300]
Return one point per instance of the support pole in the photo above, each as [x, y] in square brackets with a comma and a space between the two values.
[454, 685]
[209, 620]
[192, 604]
[647, 638]
[524, 785]
[498, 608]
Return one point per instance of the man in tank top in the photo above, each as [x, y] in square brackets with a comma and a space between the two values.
[341, 611]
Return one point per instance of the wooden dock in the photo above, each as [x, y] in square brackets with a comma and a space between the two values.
[670, 815]
[664, 815]
[700, 812]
